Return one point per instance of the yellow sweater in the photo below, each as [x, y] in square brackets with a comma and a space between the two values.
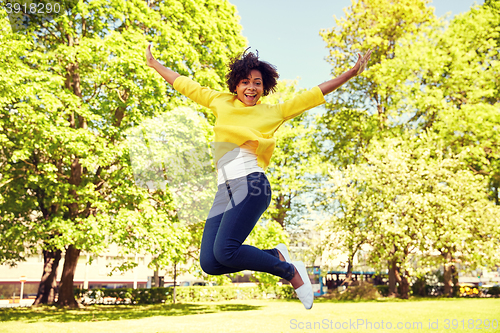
[237, 123]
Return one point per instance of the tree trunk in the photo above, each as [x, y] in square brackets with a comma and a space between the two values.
[281, 211]
[393, 279]
[175, 283]
[349, 269]
[447, 274]
[156, 277]
[404, 289]
[48, 284]
[66, 291]
[348, 277]
[454, 280]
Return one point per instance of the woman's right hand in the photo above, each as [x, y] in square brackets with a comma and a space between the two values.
[168, 74]
[150, 60]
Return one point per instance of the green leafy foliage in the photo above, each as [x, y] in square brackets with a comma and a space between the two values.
[362, 109]
[415, 206]
[70, 91]
[447, 81]
[420, 199]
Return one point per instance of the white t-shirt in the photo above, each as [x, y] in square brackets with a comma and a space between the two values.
[239, 162]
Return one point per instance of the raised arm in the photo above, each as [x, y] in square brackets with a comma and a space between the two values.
[331, 85]
[168, 74]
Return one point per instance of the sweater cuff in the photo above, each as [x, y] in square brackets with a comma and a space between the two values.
[178, 82]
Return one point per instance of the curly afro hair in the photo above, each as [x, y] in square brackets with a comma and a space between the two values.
[241, 65]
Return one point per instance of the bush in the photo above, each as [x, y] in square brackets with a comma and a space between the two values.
[419, 287]
[364, 291]
[383, 290]
[285, 292]
[183, 294]
[124, 296]
[494, 291]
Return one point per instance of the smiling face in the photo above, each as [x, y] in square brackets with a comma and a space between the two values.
[249, 90]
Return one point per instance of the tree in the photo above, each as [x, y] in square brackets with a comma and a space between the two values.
[424, 75]
[81, 82]
[449, 83]
[418, 200]
[14, 238]
[444, 207]
[170, 155]
[361, 109]
[153, 229]
[349, 225]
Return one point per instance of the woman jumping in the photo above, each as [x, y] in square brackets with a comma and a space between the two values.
[244, 144]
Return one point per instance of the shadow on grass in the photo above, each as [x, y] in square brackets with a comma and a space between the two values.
[320, 299]
[114, 312]
[395, 299]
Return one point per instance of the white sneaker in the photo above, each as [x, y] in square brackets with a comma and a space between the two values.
[284, 251]
[304, 292]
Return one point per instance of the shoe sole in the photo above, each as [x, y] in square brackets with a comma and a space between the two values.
[306, 288]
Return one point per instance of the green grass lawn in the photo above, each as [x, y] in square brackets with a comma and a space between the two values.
[260, 316]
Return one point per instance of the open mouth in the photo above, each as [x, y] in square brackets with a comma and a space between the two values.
[250, 97]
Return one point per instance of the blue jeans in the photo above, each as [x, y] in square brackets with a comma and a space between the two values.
[237, 207]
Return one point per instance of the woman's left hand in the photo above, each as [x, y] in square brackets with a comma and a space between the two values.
[362, 62]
